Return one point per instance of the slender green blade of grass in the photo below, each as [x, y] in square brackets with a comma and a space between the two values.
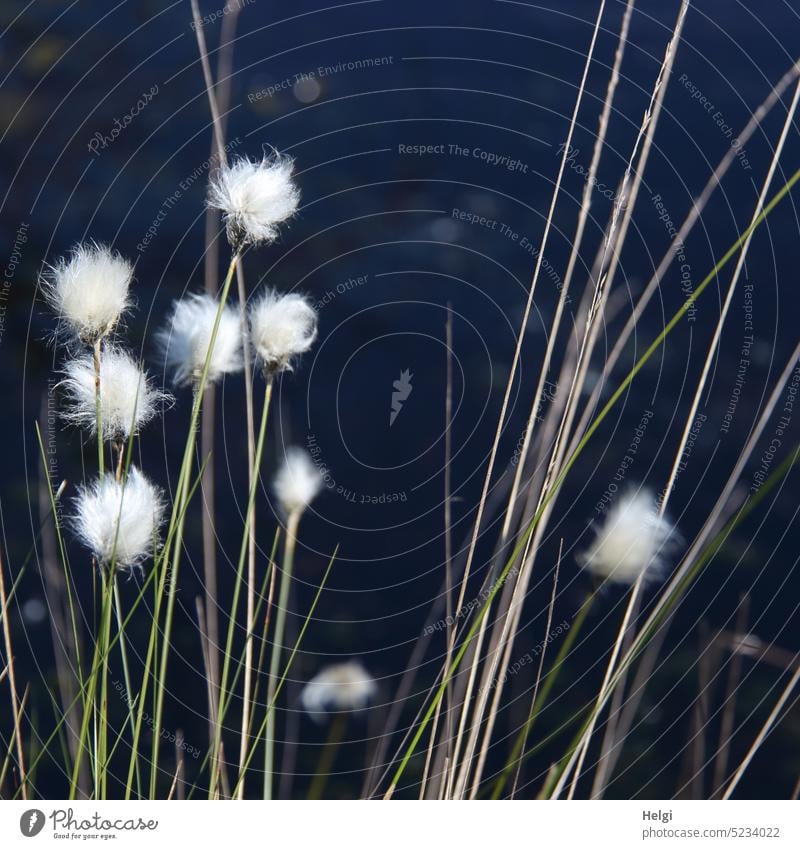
[640, 363]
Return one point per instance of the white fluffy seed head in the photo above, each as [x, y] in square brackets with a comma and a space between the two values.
[254, 197]
[281, 328]
[89, 291]
[633, 541]
[119, 521]
[297, 482]
[128, 398]
[339, 687]
[186, 339]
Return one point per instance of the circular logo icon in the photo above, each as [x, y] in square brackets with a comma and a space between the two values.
[31, 822]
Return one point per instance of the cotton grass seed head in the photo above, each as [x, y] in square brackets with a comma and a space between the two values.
[254, 198]
[339, 687]
[89, 291]
[186, 338]
[128, 398]
[119, 521]
[298, 481]
[281, 328]
[633, 541]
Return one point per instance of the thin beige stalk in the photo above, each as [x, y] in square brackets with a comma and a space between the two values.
[762, 734]
[623, 629]
[219, 99]
[292, 523]
[577, 240]
[618, 730]
[695, 211]
[710, 358]
[536, 496]
[448, 558]
[729, 714]
[536, 683]
[625, 203]
[12, 684]
[698, 545]
[246, 351]
[515, 360]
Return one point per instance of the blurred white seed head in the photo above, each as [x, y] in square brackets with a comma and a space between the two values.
[297, 482]
[128, 398]
[633, 540]
[186, 338]
[281, 328]
[339, 687]
[89, 291]
[119, 520]
[254, 197]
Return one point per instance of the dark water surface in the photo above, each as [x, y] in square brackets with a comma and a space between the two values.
[426, 139]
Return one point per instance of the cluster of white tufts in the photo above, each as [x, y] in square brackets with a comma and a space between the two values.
[281, 328]
[339, 687]
[298, 481]
[128, 398]
[89, 291]
[119, 520]
[254, 198]
[633, 541]
[186, 339]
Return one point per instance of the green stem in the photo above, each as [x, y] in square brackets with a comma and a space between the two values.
[556, 486]
[251, 500]
[544, 691]
[295, 648]
[126, 672]
[99, 663]
[96, 351]
[179, 517]
[328, 756]
[277, 648]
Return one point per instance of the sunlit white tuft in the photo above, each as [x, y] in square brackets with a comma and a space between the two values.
[339, 687]
[633, 540]
[186, 338]
[89, 291]
[254, 197]
[298, 481]
[119, 521]
[128, 399]
[281, 328]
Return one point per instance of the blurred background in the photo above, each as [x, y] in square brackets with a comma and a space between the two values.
[426, 139]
